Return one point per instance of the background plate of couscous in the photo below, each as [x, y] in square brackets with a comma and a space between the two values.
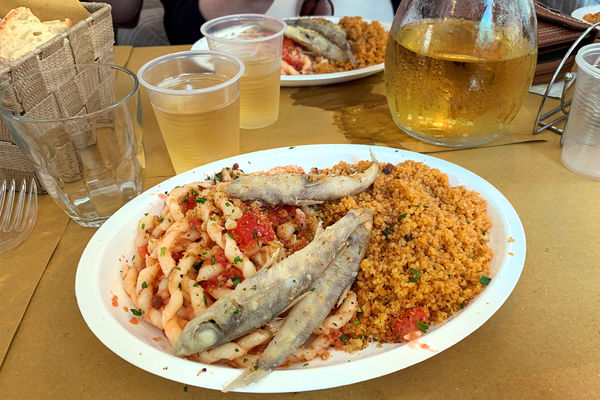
[412, 178]
[370, 43]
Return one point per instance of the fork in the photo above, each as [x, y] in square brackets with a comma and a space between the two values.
[16, 219]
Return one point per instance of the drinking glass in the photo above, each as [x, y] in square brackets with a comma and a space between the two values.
[195, 96]
[581, 147]
[458, 71]
[80, 126]
[257, 40]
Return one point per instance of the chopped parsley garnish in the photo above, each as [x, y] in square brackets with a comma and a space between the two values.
[474, 257]
[137, 312]
[185, 200]
[144, 285]
[195, 284]
[204, 298]
[236, 312]
[237, 259]
[407, 238]
[356, 322]
[143, 226]
[305, 365]
[162, 251]
[213, 261]
[228, 204]
[416, 274]
[403, 215]
[254, 234]
[314, 208]
[201, 200]
[484, 280]
[386, 232]
[422, 326]
[179, 286]
[344, 339]
[236, 280]
[185, 388]
[255, 367]
[291, 147]
[237, 350]
[195, 192]
[230, 235]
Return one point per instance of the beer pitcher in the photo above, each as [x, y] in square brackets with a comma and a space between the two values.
[458, 71]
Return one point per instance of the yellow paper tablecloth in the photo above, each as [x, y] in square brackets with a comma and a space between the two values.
[542, 343]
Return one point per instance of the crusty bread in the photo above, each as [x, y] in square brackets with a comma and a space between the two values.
[21, 31]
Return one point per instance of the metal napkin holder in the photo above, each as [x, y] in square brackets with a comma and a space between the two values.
[540, 122]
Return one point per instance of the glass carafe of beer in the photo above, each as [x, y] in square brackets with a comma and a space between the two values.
[458, 71]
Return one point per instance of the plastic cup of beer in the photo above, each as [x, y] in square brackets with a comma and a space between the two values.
[195, 97]
[256, 40]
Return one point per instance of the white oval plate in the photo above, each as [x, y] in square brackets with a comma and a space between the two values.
[319, 79]
[580, 12]
[98, 279]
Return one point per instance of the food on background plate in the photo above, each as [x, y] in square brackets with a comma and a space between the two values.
[592, 18]
[317, 46]
[21, 31]
[231, 281]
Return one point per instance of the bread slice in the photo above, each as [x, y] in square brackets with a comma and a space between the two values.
[21, 32]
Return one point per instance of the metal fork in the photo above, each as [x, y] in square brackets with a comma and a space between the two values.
[16, 219]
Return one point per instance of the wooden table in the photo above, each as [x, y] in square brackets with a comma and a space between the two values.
[543, 342]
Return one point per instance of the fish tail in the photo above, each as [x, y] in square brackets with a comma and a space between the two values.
[251, 375]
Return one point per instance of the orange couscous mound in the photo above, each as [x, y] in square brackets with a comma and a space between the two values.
[368, 42]
[428, 248]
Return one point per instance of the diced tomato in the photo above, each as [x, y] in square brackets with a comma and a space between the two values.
[407, 322]
[253, 227]
[115, 301]
[142, 253]
[290, 54]
[334, 336]
[188, 203]
[228, 278]
[195, 223]
[281, 214]
[143, 250]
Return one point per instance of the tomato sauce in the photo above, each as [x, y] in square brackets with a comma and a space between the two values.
[407, 323]
[253, 228]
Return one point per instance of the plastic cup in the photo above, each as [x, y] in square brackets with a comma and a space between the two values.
[195, 97]
[256, 40]
[581, 146]
[80, 126]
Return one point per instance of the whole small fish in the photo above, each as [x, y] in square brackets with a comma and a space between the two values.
[258, 299]
[330, 30]
[311, 310]
[299, 189]
[315, 42]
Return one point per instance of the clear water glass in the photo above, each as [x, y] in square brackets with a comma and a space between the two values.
[81, 128]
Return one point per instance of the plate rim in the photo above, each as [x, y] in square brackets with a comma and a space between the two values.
[104, 327]
[578, 13]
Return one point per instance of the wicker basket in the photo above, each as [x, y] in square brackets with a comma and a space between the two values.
[88, 41]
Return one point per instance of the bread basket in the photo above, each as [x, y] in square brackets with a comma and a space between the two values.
[89, 41]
